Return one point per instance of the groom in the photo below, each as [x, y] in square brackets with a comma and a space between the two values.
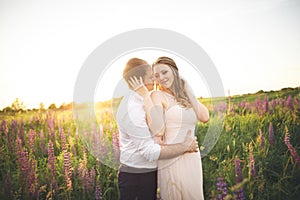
[137, 177]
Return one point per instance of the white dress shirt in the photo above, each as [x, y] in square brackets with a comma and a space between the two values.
[137, 146]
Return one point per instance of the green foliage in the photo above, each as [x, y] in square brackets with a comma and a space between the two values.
[277, 173]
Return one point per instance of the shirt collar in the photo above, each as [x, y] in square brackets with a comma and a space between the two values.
[136, 97]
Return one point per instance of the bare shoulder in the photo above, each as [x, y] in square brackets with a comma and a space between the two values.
[158, 97]
[157, 94]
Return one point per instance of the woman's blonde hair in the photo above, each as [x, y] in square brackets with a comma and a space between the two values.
[178, 86]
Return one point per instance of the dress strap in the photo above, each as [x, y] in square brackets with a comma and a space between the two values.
[171, 101]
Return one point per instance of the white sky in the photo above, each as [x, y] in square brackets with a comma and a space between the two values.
[253, 43]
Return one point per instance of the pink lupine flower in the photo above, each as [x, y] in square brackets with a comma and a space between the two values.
[289, 103]
[32, 179]
[239, 194]
[116, 145]
[252, 164]
[42, 142]
[18, 149]
[261, 139]
[266, 104]
[271, 134]
[63, 139]
[68, 170]
[98, 192]
[24, 160]
[89, 179]
[4, 128]
[31, 138]
[221, 107]
[291, 148]
[51, 158]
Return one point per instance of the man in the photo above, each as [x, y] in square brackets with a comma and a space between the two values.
[139, 151]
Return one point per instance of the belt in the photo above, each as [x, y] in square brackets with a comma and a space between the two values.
[128, 169]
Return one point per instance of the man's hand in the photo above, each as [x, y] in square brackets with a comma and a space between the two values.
[138, 85]
[191, 142]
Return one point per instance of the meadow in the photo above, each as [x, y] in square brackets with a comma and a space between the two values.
[48, 154]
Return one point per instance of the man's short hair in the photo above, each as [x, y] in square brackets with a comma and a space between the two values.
[135, 67]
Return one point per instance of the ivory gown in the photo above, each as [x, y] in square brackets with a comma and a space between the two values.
[180, 178]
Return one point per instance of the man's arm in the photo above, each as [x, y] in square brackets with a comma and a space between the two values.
[143, 140]
[173, 150]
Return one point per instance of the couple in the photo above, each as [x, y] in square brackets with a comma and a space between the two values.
[158, 147]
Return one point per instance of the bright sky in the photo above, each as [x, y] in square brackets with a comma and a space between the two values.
[254, 44]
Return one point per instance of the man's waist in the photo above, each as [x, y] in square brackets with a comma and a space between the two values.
[130, 169]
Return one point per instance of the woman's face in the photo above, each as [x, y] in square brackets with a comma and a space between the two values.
[163, 75]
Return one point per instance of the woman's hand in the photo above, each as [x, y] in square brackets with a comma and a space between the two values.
[138, 85]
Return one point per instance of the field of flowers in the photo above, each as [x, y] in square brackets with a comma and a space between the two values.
[43, 154]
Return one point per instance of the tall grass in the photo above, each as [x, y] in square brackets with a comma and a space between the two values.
[43, 155]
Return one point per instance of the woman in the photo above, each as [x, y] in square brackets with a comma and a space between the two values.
[180, 177]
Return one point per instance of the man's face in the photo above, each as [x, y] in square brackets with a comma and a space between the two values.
[148, 79]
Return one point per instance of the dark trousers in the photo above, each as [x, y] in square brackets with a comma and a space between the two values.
[141, 186]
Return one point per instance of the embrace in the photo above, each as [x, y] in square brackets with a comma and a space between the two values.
[156, 121]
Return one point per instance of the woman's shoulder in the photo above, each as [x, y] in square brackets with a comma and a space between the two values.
[158, 95]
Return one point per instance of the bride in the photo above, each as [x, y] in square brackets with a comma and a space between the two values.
[172, 112]
[180, 177]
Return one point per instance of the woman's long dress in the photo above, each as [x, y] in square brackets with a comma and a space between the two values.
[180, 177]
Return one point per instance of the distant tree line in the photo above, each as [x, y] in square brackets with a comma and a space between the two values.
[18, 106]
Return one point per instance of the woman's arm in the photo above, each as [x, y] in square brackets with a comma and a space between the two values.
[156, 115]
[200, 110]
[153, 106]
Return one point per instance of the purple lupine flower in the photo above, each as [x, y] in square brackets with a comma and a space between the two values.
[10, 140]
[32, 179]
[222, 188]
[85, 180]
[271, 134]
[252, 164]
[19, 149]
[98, 192]
[238, 170]
[22, 132]
[239, 193]
[257, 104]
[266, 104]
[248, 106]
[31, 138]
[289, 103]
[4, 128]
[63, 139]
[221, 107]
[51, 158]
[51, 125]
[291, 148]
[14, 125]
[92, 176]
[116, 145]
[261, 139]
[68, 170]
[282, 103]
[8, 185]
[51, 165]
[296, 102]
[42, 142]
[24, 161]
[89, 179]
[241, 106]
[273, 105]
